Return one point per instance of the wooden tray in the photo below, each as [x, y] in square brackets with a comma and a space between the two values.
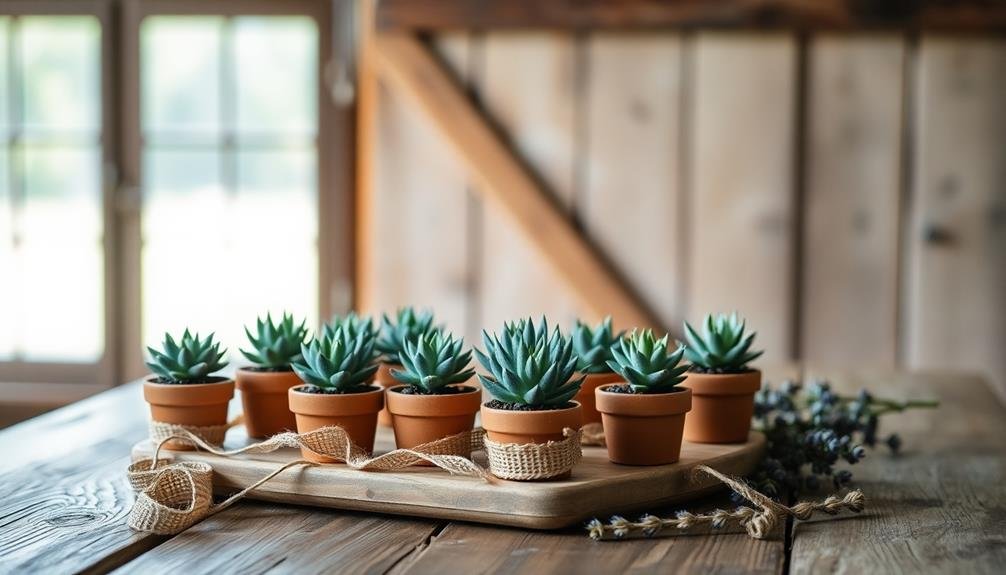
[597, 488]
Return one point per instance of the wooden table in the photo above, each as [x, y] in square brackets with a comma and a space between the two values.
[940, 506]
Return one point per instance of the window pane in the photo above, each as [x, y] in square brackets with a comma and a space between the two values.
[277, 69]
[61, 83]
[61, 303]
[4, 73]
[230, 198]
[180, 73]
[8, 297]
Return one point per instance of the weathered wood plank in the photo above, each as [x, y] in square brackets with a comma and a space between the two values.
[529, 88]
[939, 506]
[419, 238]
[464, 548]
[973, 15]
[850, 302]
[262, 538]
[67, 514]
[741, 199]
[956, 317]
[505, 183]
[631, 203]
[119, 412]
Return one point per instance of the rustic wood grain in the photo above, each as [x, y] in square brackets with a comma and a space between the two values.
[68, 514]
[505, 183]
[957, 240]
[631, 203]
[419, 193]
[960, 16]
[528, 86]
[597, 486]
[464, 548]
[851, 259]
[256, 537]
[939, 507]
[741, 228]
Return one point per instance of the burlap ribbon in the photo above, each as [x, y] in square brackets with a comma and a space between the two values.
[173, 496]
[758, 523]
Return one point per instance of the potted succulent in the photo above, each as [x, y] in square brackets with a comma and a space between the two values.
[264, 385]
[183, 390]
[531, 378]
[644, 417]
[593, 348]
[407, 326]
[434, 401]
[337, 369]
[722, 384]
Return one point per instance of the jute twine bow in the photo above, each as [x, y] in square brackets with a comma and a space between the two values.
[758, 523]
[173, 496]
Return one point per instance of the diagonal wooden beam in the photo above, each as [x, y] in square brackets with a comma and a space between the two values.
[503, 181]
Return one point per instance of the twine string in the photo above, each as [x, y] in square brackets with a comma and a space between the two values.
[759, 523]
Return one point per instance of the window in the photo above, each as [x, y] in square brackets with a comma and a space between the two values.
[229, 120]
[164, 165]
[51, 203]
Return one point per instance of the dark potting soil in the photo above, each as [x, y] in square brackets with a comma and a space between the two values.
[412, 390]
[212, 379]
[718, 370]
[497, 404]
[324, 391]
[260, 369]
[628, 389]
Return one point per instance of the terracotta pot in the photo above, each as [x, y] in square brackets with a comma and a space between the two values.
[722, 407]
[384, 378]
[192, 404]
[643, 429]
[354, 412]
[421, 419]
[586, 394]
[264, 399]
[505, 426]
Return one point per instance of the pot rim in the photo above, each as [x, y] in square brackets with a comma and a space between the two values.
[188, 394]
[336, 404]
[443, 405]
[531, 422]
[746, 383]
[677, 402]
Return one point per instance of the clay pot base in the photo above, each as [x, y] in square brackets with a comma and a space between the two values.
[354, 412]
[643, 429]
[419, 419]
[722, 406]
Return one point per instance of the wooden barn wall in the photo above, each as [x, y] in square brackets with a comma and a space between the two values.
[846, 193]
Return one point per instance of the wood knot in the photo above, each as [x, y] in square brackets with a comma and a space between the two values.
[74, 517]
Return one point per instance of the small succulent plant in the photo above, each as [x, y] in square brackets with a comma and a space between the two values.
[528, 367]
[407, 326]
[722, 347]
[191, 360]
[277, 344]
[433, 361]
[352, 323]
[339, 361]
[593, 346]
[644, 362]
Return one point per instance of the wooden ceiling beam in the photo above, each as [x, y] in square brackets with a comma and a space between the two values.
[504, 181]
[842, 15]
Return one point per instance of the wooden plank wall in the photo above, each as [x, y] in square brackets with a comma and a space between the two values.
[845, 192]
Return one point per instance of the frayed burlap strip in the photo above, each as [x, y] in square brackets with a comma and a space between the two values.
[592, 435]
[525, 462]
[214, 434]
[758, 523]
[173, 496]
